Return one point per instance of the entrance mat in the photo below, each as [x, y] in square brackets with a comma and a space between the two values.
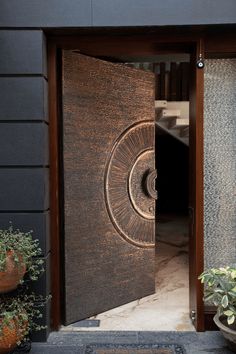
[134, 349]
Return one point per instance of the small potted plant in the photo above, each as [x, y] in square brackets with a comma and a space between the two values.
[220, 289]
[18, 255]
[18, 317]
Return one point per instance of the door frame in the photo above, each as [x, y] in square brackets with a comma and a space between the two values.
[129, 44]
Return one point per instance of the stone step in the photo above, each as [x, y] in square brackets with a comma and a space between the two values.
[179, 123]
[173, 117]
[169, 113]
[183, 106]
[160, 104]
[184, 132]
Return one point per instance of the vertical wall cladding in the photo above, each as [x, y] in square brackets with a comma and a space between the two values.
[220, 162]
[24, 156]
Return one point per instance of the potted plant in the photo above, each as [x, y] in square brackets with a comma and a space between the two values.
[18, 317]
[220, 289]
[18, 255]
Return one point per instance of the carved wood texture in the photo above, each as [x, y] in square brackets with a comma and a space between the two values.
[131, 209]
[108, 128]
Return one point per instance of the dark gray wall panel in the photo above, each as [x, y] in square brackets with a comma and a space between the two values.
[23, 98]
[45, 13]
[22, 52]
[168, 12]
[23, 144]
[78, 13]
[24, 189]
[37, 222]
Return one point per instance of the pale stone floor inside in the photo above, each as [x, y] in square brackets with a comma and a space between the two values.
[168, 308]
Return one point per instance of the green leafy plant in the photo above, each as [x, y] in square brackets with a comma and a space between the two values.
[20, 313]
[220, 288]
[23, 249]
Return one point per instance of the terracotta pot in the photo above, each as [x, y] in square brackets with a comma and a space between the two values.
[10, 336]
[228, 331]
[14, 273]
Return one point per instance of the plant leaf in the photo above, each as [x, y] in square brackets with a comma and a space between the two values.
[233, 274]
[231, 319]
[234, 290]
[208, 297]
[219, 291]
[225, 301]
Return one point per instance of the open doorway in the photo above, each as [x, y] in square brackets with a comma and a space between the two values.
[107, 48]
[168, 307]
[172, 231]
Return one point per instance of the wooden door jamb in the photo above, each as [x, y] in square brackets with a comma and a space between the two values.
[197, 136]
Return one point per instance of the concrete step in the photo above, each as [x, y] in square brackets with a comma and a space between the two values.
[183, 106]
[179, 123]
[173, 132]
[168, 114]
[160, 104]
[184, 132]
[173, 117]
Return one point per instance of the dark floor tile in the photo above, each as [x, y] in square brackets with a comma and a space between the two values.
[194, 343]
[212, 337]
[152, 337]
[49, 349]
[190, 349]
[60, 338]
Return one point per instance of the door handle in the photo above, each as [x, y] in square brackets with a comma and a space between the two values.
[150, 184]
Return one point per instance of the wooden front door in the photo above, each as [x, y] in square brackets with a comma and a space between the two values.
[109, 195]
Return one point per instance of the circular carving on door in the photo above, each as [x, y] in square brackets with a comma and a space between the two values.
[137, 185]
[130, 206]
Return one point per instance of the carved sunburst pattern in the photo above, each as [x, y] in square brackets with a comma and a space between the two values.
[135, 226]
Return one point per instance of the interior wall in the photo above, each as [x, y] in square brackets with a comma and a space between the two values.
[220, 162]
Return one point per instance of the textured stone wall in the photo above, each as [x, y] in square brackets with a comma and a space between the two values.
[220, 162]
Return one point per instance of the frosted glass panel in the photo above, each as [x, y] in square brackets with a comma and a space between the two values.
[220, 162]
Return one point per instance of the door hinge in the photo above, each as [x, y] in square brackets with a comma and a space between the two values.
[193, 315]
